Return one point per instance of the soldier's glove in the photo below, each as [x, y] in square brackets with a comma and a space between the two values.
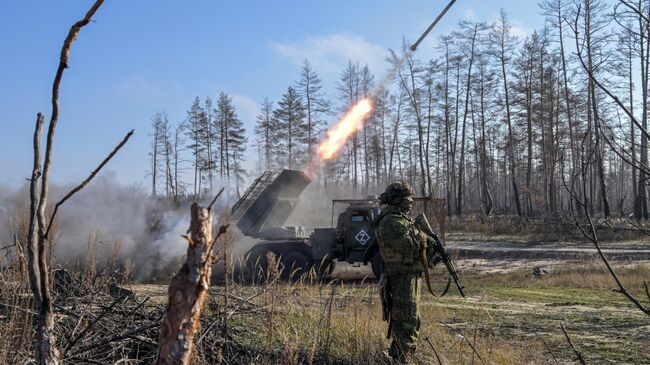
[434, 259]
[432, 254]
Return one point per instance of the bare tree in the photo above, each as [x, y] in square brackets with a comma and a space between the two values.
[505, 46]
[46, 351]
[470, 33]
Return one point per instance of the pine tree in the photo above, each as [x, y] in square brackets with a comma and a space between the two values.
[349, 93]
[316, 105]
[232, 140]
[290, 116]
[236, 141]
[158, 122]
[265, 129]
[196, 133]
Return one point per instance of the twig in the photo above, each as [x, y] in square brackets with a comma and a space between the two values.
[635, 10]
[15, 307]
[88, 179]
[85, 330]
[547, 347]
[222, 230]
[434, 350]
[574, 27]
[8, 247]
[215, 199]
[478, 321]
[121, 336]
[580, 358]
[466, 340]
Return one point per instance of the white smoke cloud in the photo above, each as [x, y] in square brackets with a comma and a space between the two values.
[108, 213]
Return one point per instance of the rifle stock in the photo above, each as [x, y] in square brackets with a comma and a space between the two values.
[423, 225]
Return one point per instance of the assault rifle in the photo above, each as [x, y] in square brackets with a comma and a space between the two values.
[423, 225]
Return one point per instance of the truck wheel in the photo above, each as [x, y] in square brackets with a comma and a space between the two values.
[377, 265]
[324, 268]
[295, 265]
[257, 264]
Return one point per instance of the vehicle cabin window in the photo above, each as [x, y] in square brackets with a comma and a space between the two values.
[360, 216]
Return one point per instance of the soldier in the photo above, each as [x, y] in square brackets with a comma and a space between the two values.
[400, 245]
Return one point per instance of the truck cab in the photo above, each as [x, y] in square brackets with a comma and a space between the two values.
[354, 232]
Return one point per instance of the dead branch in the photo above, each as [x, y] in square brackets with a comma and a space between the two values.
[7, 247]
[637, 11]
[579, 356]
[215, 199]
[434, 350]
[72, 342]
[85, 182]
[547, 347]
[118, 337]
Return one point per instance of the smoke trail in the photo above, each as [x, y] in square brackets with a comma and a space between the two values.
[107, 213]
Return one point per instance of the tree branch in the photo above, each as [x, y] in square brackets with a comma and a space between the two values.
[635, 10]
[86, 181]
[215, 199]
[580, 358]
[434, 350]
[599, 84]
[593, 236]
[547, 347]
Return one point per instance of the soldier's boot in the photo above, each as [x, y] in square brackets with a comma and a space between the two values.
[385, 358]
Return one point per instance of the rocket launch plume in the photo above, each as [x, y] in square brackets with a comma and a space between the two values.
[339, 134]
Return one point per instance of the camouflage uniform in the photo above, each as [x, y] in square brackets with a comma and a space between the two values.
[399, 244]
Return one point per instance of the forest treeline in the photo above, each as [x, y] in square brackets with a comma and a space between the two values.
[496, 124]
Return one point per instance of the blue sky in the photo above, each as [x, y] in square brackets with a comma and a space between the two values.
[142, 56]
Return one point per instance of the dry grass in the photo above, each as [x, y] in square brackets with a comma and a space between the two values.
[508, 318]
[505, 318]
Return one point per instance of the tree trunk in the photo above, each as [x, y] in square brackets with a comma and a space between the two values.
[461, 164]
[187, 293]
[574, 159]
[642, 197]
[596, 115]
[448, 151]
[487, 196]
[529, 123]
[511, 140]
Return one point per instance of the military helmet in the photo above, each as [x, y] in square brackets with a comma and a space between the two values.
[395, 192]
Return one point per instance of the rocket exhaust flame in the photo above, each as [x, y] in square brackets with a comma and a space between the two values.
[340, 133]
